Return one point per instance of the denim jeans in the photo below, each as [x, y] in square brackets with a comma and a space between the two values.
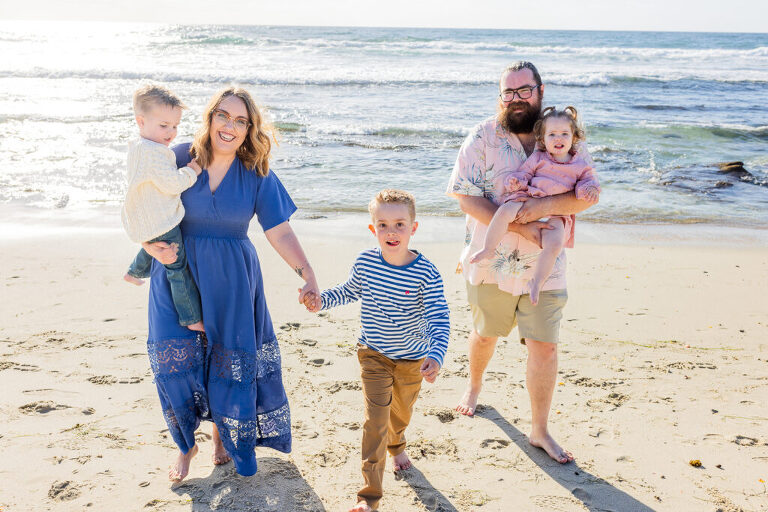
[186, 297]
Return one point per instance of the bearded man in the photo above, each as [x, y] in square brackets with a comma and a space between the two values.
[497, 288]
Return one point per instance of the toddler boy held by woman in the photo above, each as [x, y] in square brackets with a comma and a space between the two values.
[403, 338]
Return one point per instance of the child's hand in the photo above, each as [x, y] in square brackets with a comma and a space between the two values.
[429, 370]
[311, 301]
[513, 184]
[591, 194]
[195, 167]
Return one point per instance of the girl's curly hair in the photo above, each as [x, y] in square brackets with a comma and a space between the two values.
[569, 113]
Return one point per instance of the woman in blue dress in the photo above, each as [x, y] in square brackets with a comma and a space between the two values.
[232, 374]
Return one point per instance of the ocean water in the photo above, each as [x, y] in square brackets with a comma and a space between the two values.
[360, 109]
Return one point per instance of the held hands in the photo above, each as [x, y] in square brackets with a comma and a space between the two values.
[429, 369]
[310, 298]
[195, 167]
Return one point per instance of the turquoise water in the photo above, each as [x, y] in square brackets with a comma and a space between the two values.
[360, 109]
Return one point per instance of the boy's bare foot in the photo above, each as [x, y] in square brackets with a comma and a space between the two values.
[178, 471]
[401, 462]
[197, 326]
[534, 291]
[361, 507]
[549, 445]
[480, 255]
[468, 402]
[133, 280]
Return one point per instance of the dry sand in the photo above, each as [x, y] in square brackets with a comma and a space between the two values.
[664, 360]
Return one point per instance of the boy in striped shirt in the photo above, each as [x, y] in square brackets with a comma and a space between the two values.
[403, 338]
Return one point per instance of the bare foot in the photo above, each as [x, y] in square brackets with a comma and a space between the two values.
[361, 507]
[553, 449]
[197, 326]
[468, 402]
[534, 291]
[177, 472]
[220, 455]
[483, 254]
[401, 462]
[133, 280]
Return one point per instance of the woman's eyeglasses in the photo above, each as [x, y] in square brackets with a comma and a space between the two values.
[240, 123]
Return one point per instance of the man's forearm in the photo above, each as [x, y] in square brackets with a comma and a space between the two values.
[482, 210]
[565, 204]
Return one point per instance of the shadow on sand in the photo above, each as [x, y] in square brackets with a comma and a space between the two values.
[433, 499]
[277, 487]
[595, 493]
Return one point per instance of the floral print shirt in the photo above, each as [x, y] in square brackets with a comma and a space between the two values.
[487, 152]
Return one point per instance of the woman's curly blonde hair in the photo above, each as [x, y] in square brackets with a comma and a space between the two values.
[569, 113]
[254, 152]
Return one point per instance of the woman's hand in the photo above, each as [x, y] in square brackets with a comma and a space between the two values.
[163, 252]
[531, 231]
[310, 299]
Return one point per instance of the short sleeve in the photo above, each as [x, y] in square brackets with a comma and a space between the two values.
[182, 154]
[273, 204]
[468, 173]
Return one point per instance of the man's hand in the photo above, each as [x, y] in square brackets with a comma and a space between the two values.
[429, 369]
[531, 231]
[163, 252]
[533, 208]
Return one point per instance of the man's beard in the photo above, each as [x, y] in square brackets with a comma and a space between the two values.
[521, 122]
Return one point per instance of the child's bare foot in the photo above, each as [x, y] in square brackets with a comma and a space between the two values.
[178, 471]
[197, 326]
[534, 292]
[361, 507]
[549, 445]
[468, 402]
[133, 280]
[482, 254]
[401, 462]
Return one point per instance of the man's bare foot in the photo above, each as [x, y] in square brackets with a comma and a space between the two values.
[401, 462]
[133, 280]
[468, 402]
[361, 507]
[177, 472]
[553, 449]
[197, 326]
[481, 255]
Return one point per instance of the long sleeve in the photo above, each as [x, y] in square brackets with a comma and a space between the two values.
[588, 178]
[437, 317]
[159, 167]
[349, 291]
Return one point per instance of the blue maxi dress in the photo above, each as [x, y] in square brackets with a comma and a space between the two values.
[232, 374]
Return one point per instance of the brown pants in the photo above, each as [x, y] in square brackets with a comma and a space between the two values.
[390, 388]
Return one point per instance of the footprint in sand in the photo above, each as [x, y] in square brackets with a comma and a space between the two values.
[351, 425]
[494, 444]
[42, 407]
[64, 491]
[746, 441]
[319, 362]
[21, 367]
[309, 343]
[444, 415]
[106, 380]
[350, 385]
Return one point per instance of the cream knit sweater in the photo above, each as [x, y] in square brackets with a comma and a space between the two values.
[152, 201]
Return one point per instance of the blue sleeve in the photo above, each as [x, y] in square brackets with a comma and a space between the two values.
[273, 204]
[182, 154]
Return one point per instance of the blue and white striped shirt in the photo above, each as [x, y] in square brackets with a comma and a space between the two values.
[404, 314]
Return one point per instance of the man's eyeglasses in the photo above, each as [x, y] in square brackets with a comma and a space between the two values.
[523, 93]
[240, 123]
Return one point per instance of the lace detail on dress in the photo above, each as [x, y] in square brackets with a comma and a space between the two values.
[244, 368]
[185, 418]
[170, 358]
[245, 434]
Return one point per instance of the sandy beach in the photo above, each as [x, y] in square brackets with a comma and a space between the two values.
[663, 362]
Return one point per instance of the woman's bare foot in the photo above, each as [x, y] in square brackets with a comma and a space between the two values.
[361, 506]
[220, 455]
[401, 462]
[468, 402]
[481, 255]
[197, 326]
[549, 445]
[133, 280]
[177, 472]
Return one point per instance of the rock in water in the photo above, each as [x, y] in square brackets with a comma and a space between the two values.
[735, 169]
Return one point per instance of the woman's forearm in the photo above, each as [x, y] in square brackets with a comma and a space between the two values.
[284, 241]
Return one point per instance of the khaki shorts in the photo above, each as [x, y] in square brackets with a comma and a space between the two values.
[495, 313]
